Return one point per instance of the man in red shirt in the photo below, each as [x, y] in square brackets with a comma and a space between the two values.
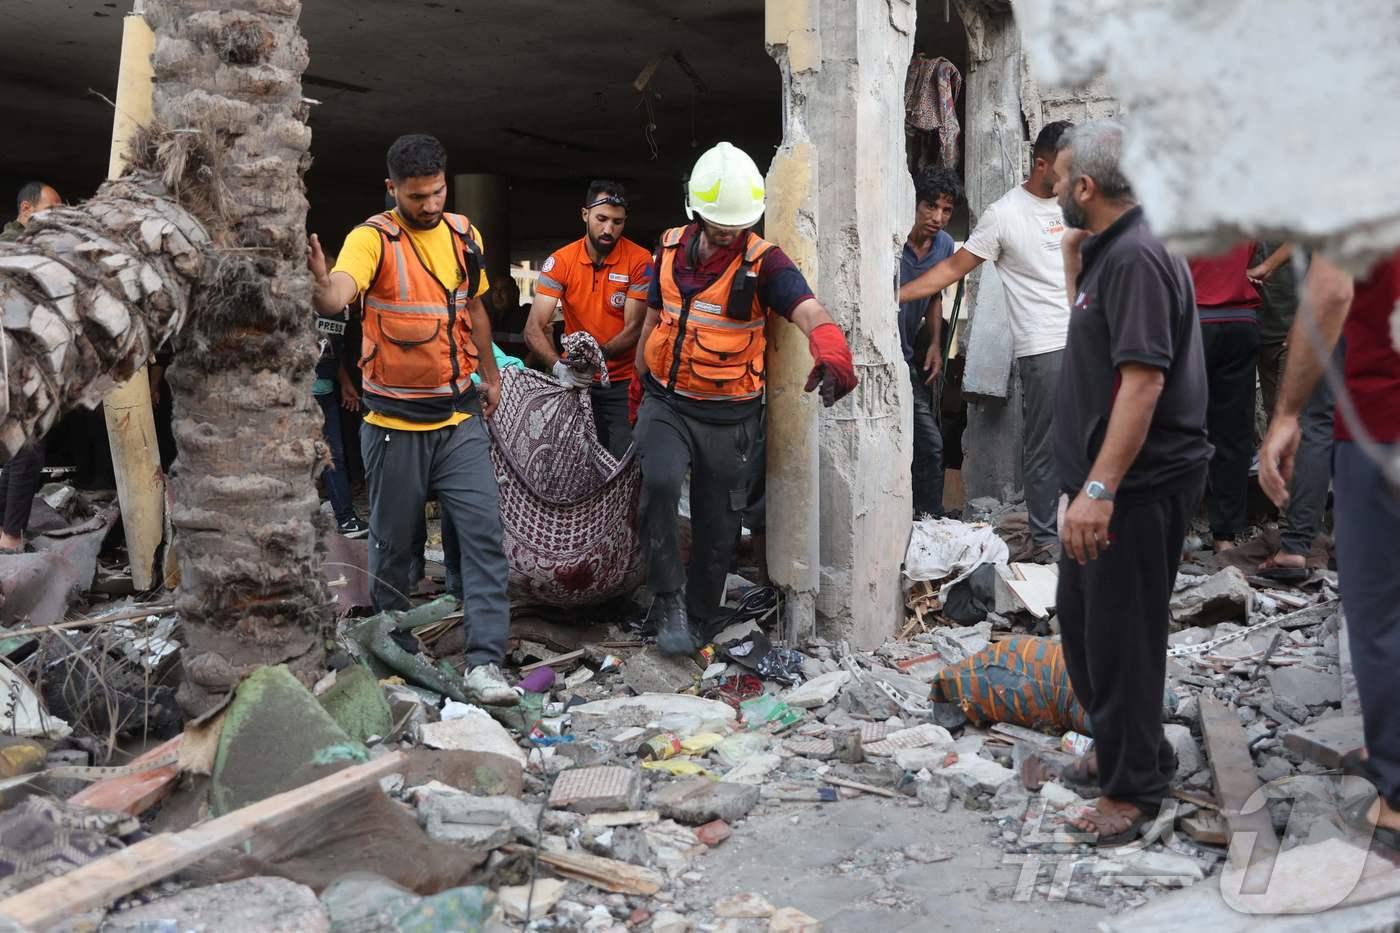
[1366, 483]
[601, 281]
[1228, 306]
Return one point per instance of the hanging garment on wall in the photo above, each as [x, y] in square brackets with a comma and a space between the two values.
[931, 89]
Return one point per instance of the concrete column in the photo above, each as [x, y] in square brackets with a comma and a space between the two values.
[790, 219]
[844, 63]
[131, 424]
[485, 199]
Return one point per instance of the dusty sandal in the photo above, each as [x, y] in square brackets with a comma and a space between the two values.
[1111, 829]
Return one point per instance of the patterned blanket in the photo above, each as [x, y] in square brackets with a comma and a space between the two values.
[569, 507]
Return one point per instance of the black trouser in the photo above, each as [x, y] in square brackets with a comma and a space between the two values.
[1368, 527]
[719, 459]
[1231, 349]
[1113, 625]
[19, 481]
[610, 417]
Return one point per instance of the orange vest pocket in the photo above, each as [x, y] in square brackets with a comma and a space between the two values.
[410, 356]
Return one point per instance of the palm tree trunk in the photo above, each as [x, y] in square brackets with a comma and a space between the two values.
[86, 294]
[246, 512]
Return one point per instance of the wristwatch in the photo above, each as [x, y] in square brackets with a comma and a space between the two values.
[1097, 490]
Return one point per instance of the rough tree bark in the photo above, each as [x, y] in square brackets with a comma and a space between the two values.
[246, 512]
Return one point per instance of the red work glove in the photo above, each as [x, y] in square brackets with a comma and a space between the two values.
[634, 398]
[835, 372]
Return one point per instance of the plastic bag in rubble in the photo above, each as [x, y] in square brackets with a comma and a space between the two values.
[364, 903]
[942, 548]
[1021, 680]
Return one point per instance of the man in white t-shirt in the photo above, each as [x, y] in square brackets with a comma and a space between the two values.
[1020, 233]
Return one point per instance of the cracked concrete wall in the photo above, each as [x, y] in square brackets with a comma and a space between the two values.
[1270, 118]
[844, 63]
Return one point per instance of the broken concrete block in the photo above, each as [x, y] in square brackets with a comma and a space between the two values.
[973, 775]
[1305, 687]
[1225, 595]
[477, 732]
[275, 905]
[754, 770]
[650, 671]
[1057, 796]
[1326, 740]
[743, 907]
[699, 800]
[516, 898]
[959, 644]
[792, 920]
[1273, 768]
[673, 846]
[921, 759]
[926, 735]
[275, 737]
[818, 691]
[356, 702]
[713, 832]
[1188, 752]
[1150, 866]
[668, 921]
[474, 772]
[450, 815]
[589, 790]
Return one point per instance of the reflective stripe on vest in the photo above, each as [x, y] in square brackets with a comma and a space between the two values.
[417, 334]
[708, 346]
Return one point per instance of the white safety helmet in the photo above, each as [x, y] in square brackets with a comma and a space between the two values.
[725, 188]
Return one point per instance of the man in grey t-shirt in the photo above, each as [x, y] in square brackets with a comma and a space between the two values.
[1020, 233]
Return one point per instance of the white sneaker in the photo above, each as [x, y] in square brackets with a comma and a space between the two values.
[486, 684]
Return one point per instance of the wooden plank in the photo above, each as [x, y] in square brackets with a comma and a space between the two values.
[1207, 827]
[1235, 783]
[608, 874]
[856, 785]
[623, 818]
[1326, 740]
[98, 883]
[134, 794]
[550, 662]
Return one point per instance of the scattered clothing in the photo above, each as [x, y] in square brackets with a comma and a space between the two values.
[931, 89]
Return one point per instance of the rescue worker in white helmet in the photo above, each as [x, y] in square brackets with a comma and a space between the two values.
[699, 387]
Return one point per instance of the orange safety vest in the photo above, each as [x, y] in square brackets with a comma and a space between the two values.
[710, 345]
[417, 334]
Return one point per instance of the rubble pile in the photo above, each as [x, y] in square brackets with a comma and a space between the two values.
[380, 798]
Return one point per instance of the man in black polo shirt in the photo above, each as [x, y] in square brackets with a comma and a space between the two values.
[1131, 451]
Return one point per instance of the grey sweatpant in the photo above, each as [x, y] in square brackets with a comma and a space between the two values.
[1040, 376]
[402, 468]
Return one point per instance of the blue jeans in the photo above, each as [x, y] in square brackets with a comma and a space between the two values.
[337, 479]
[928, 447]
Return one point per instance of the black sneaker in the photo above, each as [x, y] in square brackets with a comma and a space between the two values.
[353, 527]
[674, 635]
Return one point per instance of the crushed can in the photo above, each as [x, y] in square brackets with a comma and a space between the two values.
[659, 747]
[1075, 743]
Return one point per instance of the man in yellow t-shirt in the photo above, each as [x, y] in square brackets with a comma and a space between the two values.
[426, 332]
